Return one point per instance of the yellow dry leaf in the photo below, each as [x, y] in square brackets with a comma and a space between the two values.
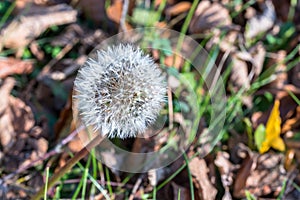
[273, 131]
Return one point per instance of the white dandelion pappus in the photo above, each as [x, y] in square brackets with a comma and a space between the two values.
[121, 92]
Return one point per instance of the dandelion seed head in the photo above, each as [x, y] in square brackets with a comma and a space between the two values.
[121, 92]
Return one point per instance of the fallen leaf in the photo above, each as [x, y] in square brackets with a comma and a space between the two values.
[273, 131]
[114, 12]
[261, 22]
[20, 141]
[178, 8]
[226, 169]
[258, 53]
[280, 71]
[293, 122]
[239, 73]
[287, 109]
[208, 16]
[36, 50]
[156, 175]
[5, 90]
[267, 175]
[22, 114]
[228, 43]
[242, 175]
[25, 28]
[199, 170]
[9, 66]
[7, 132]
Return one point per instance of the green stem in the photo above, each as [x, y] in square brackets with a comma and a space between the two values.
[68, 166]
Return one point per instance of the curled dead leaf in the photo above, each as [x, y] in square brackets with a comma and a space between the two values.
[239, 73]
[208, 16]
[9, 66]
[199, 170]
[178, 8]
[261, 22]
[25, 28]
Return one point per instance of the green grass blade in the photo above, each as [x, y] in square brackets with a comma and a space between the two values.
[7, 14]
[108, 181]
[84, 178]
[47, 179]
[190, 176]
[294, 97]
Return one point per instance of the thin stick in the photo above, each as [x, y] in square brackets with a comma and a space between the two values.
[123, 16]
[68, 166]
[58, 57]
[171, 120]
[136, 187]
[56, 150]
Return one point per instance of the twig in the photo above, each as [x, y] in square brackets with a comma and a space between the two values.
[123, 16]
[58, 57]
[56, 150]
[135, 187]
[68, 166]
[112, 183]
[170, 108]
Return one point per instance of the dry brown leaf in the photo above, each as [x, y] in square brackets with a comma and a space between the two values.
[38, 2]
[239, 73]
[94, 10]
[25, 28]
[229, 41]
[174, 61]
[7, 132]
[114, 12]
[5, 89]
[208, 16]
[157, 175]
[280, 72]
[268, 175]
[241, 177]
[23, 119]
[21, 5]
[19, 140]
[178, 8]
[261, 22]
[16, 119]
[259, 174]
[293, 122]
[258, 54]
[9, 66]
[226, 170]
[287, 107]
[36, 50]
[199, 170]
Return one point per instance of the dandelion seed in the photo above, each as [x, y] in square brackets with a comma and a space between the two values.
[121, 92]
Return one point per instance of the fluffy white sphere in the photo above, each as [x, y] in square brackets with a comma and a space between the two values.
[121, 92]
